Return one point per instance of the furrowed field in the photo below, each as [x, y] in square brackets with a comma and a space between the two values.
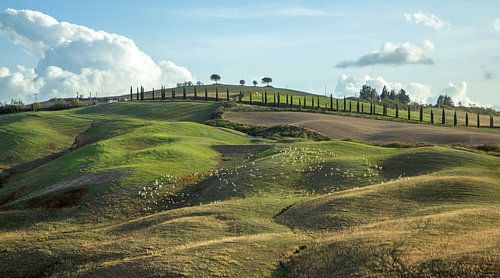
[145, 189]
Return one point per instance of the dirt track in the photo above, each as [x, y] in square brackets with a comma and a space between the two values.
[371, 130]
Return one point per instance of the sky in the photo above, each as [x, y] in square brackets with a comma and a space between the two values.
[57, 48]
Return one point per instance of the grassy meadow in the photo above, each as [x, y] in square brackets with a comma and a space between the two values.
[146, 189]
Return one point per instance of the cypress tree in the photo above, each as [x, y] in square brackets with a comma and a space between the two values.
[397, 110]
[491, 121]
[331, 102]
[153, 93]
[240, 96]
[299, 103]
[163, 94]
[409, 113]
[287, 99]
[337, 104]
[305, 103]
[478, 122]
[184, 92]
[371, 107]
[274, 99]
[265, 98]
[362, 107]
[317, 103]
[131, 95]
[227, 94]
[432, 116]
[357, 106]
[216, 94]
[421, 113]
[291, 101]
[195, 93]
[173, 94]
[250, 98]
[455, 121]
[466, 119]
[137, 96]
[345, 105]
[350, 106]
[262, 97]
[279, 100]
[443, 118]
[206, 93]
[142, 93]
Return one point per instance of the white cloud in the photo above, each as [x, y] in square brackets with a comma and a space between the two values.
[76, 58]
[459, 94]
[19, 83]
[496, 25]
[428, 20]
[394, 54]
[352, 83]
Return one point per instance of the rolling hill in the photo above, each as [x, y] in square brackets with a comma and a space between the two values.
[146, 189]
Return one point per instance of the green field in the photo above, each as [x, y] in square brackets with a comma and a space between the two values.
[145, 189]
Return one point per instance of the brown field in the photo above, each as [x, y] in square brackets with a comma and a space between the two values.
[370, 130]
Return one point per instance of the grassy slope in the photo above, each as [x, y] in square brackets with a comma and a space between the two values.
[216, 214]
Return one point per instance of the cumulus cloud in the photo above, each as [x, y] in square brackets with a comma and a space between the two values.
[394, 54]
[459, 94]
[76, 58]
[352, 83]
[427, 19]
[496, 25]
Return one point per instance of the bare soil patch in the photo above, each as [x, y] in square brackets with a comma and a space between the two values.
[370, 130]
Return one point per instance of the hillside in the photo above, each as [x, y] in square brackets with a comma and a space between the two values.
[146, 189]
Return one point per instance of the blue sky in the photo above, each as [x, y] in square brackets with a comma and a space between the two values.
[297, 43]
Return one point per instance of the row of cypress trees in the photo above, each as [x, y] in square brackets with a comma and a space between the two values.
[314, 104]
[163, 93]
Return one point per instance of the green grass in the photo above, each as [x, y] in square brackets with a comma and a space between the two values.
[148, 190]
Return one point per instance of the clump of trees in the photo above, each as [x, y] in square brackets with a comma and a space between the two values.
[12, 107]
[388, 98]
[444, 100]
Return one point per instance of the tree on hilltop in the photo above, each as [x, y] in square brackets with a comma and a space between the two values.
[215, 77]
[242, 82]
[267, 80]
[254, 83]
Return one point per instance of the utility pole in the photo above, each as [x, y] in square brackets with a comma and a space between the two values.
[36, 103]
